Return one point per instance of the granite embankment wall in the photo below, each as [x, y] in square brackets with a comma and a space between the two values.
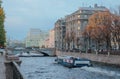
[49, 51]
[107, 59]
[13, 71]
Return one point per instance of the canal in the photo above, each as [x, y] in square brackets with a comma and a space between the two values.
[45, 68]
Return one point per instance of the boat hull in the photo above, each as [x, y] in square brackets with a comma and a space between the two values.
[73, 62]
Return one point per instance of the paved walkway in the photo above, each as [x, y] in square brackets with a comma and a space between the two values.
[2, 68]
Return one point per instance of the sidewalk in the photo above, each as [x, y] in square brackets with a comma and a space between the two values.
[2, 68]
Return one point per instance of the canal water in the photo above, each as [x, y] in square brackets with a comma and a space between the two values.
[45, 68]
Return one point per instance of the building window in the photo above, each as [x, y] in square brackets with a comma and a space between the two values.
[78, 27]
[85, 22]
[78, 22]
[80, 11]
[85, 16]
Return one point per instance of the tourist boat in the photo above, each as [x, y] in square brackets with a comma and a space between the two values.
[70, 61]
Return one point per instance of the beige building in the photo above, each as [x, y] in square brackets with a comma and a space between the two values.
[51, 38]
[60, 34]
[46, 43]
[50, 41]
[75, 24]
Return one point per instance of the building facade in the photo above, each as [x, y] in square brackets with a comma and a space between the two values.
[60, 31]
[75, 24]
[35, 38]
[51, 39]
[46, 43]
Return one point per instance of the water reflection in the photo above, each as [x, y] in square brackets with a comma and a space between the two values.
[45, 68]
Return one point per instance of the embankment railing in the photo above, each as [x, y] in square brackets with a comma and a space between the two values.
[13, 71]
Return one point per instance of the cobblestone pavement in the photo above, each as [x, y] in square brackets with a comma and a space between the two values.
[2, 67]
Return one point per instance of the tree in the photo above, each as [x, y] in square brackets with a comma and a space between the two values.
[100, 27]
[116, 27]
[2, 30]
[116, 31]
[67, 40]
[116, 11]
[73, 38]
[86, 35]
[77, 42]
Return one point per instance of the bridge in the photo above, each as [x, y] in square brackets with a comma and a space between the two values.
[49, 51]
[44, 51]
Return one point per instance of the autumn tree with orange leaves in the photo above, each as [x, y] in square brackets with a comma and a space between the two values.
[100, 28]
[116, 31]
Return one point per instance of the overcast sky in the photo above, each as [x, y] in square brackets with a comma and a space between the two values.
[21, 15]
